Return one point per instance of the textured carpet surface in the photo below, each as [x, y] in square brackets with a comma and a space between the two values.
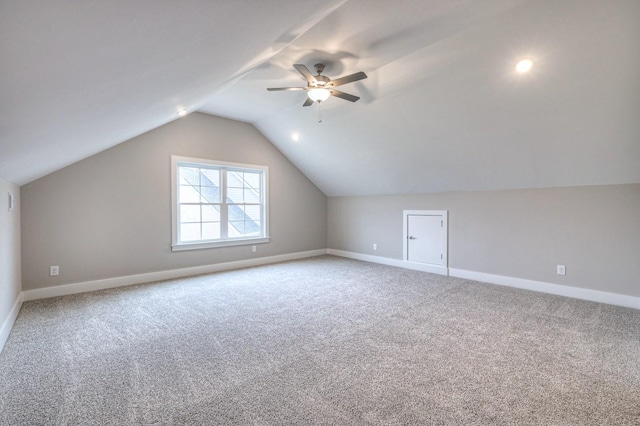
[321, 341]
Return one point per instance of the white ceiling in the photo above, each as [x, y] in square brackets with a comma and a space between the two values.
[442, 108]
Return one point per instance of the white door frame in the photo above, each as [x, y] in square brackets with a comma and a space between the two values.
[436, 269]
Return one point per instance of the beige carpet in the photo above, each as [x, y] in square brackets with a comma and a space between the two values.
[321, 341]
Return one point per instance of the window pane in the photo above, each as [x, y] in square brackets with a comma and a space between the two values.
[190, 232]
[210, 177]
[236, 229]
[211, 231]
[251, 196]
[234, 195]
[210, 194]
[252, 180]
[211, 213]
[253, 212]
[235, 213]
[234, 179]
[188, 194]
[189, 213]
[189, 175]
[252, 228]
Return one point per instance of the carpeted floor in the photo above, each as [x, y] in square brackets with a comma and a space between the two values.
[321, 341]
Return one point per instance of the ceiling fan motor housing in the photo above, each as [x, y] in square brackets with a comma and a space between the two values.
[321, 80]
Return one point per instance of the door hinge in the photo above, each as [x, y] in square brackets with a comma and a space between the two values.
[441, 258]
[441, 223]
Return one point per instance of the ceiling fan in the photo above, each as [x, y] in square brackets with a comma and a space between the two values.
[319, 87]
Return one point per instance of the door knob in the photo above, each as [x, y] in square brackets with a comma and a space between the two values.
[411, 237]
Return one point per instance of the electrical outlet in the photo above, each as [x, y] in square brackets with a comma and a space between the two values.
[375, 247]
[561, 270]
[254, 249]
[54, 270]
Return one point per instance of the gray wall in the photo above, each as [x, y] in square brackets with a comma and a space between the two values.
[593, 230]
[110, 215]
[9, 250]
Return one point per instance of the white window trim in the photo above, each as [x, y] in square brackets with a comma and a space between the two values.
[180, 246]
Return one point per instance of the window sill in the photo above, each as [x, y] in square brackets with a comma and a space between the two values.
[215, 244]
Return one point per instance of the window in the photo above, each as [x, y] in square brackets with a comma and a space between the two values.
[217, 204]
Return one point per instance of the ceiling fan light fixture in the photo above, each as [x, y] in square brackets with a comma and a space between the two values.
[319, 94]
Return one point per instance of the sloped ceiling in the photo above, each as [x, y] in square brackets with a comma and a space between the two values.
[442, 109]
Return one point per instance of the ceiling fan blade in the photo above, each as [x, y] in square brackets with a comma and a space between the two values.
[345, 96]
[305, 72]
[348, 79]
[273, 89]
[308, 102]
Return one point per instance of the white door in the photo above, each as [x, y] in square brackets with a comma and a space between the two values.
[424, 241]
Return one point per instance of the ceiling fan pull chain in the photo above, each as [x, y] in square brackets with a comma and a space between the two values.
[319, 112]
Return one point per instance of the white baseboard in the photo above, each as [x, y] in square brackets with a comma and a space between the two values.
[560, 290]
[440, 270]
[63, 290]
[544, 287]
[9, 321]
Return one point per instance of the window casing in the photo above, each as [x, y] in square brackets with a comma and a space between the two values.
[217, 203]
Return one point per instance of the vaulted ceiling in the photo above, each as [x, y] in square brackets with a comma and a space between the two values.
[443, 108]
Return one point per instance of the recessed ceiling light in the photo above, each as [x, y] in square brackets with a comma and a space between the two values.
[295, 137]
[524, 65]
[182, 112]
